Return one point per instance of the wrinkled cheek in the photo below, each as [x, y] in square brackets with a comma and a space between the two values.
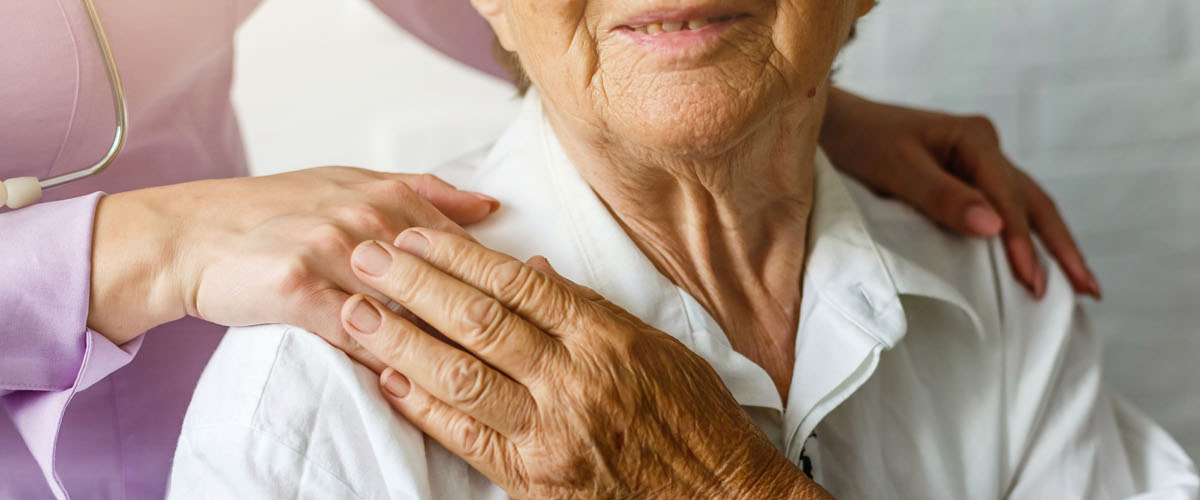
[619, 67]
[814, 34]
[551, 23]
[558, 46]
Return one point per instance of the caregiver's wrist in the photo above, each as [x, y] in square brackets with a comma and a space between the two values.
[840, 111]
[134, 286]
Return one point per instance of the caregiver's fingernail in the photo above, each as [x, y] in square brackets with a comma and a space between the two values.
[372, 259]
[396, 384]
[413, 242]
[1094, 287]
[493, 204]
[983, 220]
[364, 317]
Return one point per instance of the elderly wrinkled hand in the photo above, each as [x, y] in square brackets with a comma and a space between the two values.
[555, 392]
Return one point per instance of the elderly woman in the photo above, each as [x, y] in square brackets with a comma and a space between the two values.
[756, 324]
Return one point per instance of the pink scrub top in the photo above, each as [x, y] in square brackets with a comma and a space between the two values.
[85, 418]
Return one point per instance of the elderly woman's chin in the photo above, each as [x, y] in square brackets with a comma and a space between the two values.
[690, 121]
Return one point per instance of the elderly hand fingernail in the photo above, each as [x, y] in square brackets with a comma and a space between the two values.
[395, 383]
[364, 317]
[413, 242]
[983, 220]
[372, 259]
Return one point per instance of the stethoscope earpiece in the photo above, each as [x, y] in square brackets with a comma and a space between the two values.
[23, 191]
[20, 192]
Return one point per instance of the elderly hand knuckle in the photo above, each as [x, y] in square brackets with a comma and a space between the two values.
[473, 440]
[508, 278]
[390, 350]
[394, 344]
[466, 383]
[483, 319]
[421, 410]
[408, 284]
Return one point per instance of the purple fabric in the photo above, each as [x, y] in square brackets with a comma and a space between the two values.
[82, 414]
[49, 353]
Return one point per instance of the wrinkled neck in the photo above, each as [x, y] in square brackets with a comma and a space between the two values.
[730, 229]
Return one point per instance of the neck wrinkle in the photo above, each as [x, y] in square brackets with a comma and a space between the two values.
[730, 230]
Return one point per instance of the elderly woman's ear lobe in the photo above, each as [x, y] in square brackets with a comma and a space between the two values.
[493, 12]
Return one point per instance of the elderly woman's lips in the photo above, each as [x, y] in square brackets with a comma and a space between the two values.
[679, 32]
[656, 24]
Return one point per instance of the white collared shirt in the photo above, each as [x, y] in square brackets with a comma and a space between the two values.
[923, 370]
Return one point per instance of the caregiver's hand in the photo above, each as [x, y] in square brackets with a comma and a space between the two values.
[555, 393]
[255, 250]
[952, 168]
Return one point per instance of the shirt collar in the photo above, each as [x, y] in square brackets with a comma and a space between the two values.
[852, 292]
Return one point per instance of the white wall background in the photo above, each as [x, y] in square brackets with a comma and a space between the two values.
[1098, 99]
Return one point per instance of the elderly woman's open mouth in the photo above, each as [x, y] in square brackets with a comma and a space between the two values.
[676, 31]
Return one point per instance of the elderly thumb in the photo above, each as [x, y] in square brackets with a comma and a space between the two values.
[542, 265]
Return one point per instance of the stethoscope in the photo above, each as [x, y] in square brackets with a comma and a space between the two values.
[22, 191]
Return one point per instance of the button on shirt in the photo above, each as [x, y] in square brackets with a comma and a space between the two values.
[922, 369]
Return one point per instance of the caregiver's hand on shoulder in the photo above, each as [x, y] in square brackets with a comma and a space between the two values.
[951, 168]
[255, 250]
[554, 392]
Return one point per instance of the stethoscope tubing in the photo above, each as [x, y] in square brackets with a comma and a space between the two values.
[119, 107]
[22, 191]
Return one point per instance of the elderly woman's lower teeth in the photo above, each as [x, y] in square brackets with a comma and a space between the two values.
[696, 24]
[672, 27]
[653, 28]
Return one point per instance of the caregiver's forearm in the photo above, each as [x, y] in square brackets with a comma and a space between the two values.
[256, 250]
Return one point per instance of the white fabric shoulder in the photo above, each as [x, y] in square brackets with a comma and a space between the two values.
[282, 414]
[1008, 384]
